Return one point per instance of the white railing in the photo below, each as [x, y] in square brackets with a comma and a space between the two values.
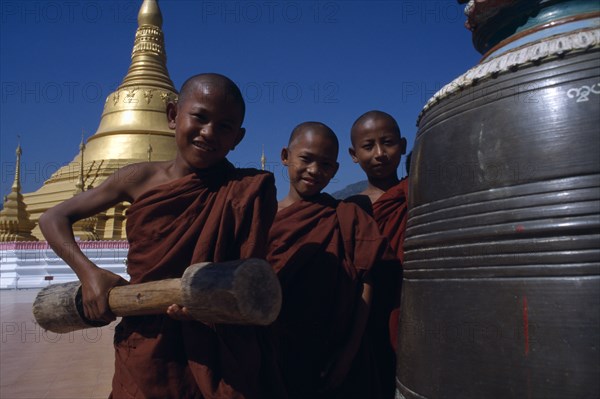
[33, 264]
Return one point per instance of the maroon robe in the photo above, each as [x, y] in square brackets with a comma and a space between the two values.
[322, 250]
[220, 214]
[390, 211]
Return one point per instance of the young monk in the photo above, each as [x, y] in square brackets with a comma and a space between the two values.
[323, 250]
[377, 147]
[197, 207]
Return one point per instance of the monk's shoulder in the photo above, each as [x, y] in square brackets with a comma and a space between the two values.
[139, 177]
[250, 177]
[351, 208]
[249, 183]
[353, 215]
[362, 201]
[402, 187]
[134, 172]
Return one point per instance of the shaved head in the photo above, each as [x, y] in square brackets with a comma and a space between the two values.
[314, 128]
[368, 118]
[222, 83]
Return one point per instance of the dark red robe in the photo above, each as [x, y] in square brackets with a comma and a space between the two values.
[390, 212]
[322, 250]
[220, 214]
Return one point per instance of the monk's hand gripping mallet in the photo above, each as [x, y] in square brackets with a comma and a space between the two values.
[235, 292]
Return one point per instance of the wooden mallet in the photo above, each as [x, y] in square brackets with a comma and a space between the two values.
[235, 292]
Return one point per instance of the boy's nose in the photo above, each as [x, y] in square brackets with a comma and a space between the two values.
[207, 130]
[312, 169]
[380, 153]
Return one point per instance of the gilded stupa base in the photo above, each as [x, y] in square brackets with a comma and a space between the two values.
[108, 225]
[10, 231]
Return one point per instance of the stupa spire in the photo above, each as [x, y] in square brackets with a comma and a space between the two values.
[14, 219]
[148, 58]
[84, 229]
[79, 187]
[139, 104]
[16, 186]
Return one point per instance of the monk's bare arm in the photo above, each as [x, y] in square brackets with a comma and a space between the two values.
[56, 225]
[339, 367]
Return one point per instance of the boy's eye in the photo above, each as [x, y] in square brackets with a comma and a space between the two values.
[367, 147]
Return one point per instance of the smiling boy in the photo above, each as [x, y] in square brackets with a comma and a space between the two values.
[197, 207]
[377, 147]
[322, 250]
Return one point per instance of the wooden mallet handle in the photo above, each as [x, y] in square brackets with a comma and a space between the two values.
[234, 292]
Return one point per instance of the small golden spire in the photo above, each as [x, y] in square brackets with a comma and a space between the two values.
[84, 229]
[15, 224]
[16, 186]
[82, 143]
[80, 185]
[263, 159]
[149, 150]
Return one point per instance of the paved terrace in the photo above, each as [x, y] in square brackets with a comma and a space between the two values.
[36, 364]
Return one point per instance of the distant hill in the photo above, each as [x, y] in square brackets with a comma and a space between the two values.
[351, 189]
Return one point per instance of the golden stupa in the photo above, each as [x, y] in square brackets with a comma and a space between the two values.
[133, 128]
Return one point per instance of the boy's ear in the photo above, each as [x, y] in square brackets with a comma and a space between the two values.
[171, 114]
[240, 136]
[353, 154]
[403, 145]
[284, 156]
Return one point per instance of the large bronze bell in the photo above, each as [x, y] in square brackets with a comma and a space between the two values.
[501, 290]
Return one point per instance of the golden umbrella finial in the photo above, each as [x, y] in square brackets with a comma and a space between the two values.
[150, 14]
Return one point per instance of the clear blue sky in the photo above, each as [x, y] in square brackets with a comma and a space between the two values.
[328, 61]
